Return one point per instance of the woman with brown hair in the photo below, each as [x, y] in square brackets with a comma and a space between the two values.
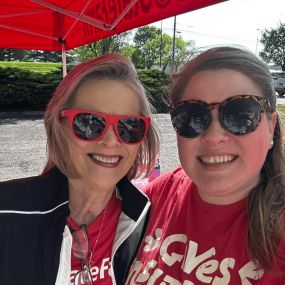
[219, 218]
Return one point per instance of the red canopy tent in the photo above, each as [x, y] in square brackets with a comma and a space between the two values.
[59, 25]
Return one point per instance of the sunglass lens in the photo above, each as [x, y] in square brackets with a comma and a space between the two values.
[190, 119]
[240, 116]
[131, 130]
[88, 126]
[80, 244]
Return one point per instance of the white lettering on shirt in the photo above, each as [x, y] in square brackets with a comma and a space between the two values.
[205, 267]
[97, 273]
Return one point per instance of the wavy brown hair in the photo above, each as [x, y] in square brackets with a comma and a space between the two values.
[266, 202]
[113, 67]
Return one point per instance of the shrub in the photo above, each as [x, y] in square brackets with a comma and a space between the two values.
[23, 89]
[23, 86]
[156, 83]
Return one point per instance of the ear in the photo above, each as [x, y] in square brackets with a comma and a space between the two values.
[272, 123]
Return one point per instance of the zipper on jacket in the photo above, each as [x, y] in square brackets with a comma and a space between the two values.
[125, 237]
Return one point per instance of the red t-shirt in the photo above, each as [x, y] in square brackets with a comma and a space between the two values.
[191, 242]
[100, 262]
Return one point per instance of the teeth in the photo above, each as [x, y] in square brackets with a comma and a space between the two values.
[217, 159]
[105, 159]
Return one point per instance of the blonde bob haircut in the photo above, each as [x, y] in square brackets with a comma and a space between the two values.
[112, 67]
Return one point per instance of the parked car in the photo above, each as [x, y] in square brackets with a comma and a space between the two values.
[278, 80]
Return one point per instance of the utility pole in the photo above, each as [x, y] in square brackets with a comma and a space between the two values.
[160, 48]
[256, 47]
[173, 45]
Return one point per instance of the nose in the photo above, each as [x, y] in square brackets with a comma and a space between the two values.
[110, 138]
[215, 134]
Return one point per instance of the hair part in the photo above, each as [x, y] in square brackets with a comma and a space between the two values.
[106, 67]
[266, 202]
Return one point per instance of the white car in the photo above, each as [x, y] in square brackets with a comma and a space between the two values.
[278, 81]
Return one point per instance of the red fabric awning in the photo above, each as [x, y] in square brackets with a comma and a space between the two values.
[45, 24]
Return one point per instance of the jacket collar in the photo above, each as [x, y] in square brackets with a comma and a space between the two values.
[133, 200]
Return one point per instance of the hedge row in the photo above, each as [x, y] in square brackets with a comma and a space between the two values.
[22, 89]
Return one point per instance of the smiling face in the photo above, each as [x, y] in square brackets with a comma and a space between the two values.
[224, 166]
[106, 161]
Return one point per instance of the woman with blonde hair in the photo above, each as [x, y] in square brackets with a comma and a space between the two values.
[81, 221]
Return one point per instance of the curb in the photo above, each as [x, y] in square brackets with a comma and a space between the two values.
[21, 114]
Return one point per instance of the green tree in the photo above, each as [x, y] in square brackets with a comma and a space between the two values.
[153, 49]
[12, 54]
[146, 47]
[156, 83]
[42, 56]
[165, 51]
[147, 55]
[182, 51]
[274, 45]
[128, 51]
[29, 55]
[145, 34]
[117, 43]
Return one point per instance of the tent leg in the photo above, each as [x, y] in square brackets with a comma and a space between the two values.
[63, 58]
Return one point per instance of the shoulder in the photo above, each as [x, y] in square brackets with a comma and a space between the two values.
[31, 183]
[174, 182]
[19, 185]
[33, 192]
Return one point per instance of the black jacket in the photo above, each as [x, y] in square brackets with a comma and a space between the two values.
[33, 215]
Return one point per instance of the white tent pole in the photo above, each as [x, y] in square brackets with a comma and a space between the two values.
[63, 59]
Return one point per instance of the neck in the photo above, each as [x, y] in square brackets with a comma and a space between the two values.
[86, 203]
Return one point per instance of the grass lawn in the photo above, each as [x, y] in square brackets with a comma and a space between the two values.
[42, 67]
[281, 109]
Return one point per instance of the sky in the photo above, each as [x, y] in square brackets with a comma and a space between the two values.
[232, 22]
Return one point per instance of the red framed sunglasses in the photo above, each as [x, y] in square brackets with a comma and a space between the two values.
[92, 126]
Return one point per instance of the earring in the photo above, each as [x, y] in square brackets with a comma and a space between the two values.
[271, 143]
